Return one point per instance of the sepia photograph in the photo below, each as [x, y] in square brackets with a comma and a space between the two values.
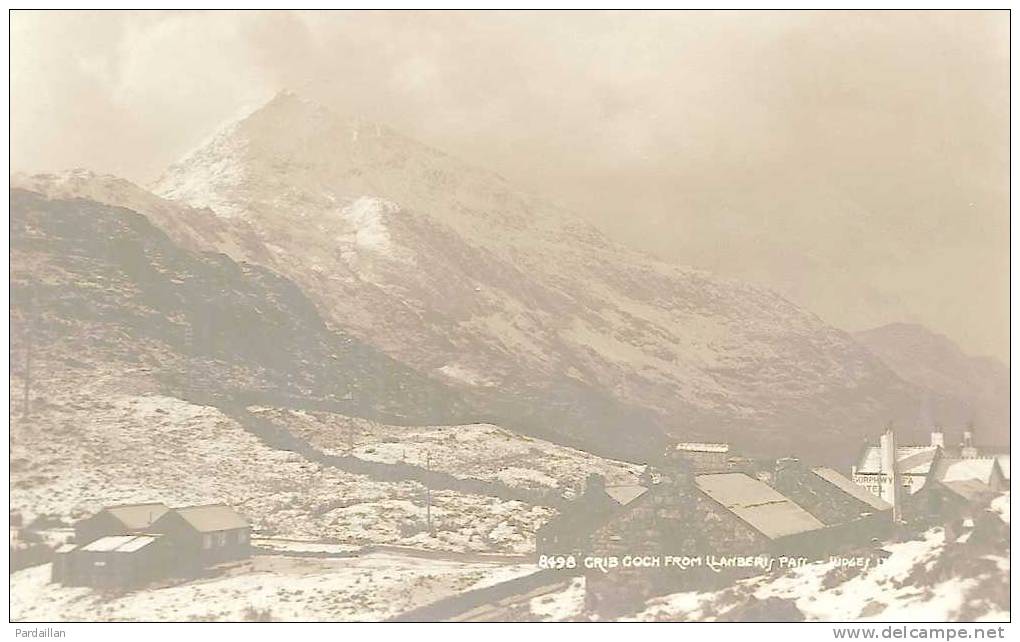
[507, 316]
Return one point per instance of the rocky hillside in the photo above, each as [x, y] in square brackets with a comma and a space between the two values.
[105, 280]
[959, 387]
[564, 333]
[154, 372]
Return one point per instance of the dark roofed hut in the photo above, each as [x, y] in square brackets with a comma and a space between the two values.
[125, 519]
[785, 525]
[203, 535]
[854, 515]
[118, 562]
[834, 499]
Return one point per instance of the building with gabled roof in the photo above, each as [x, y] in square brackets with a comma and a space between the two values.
[875, 472]
[759, 505]
[826, 494]
[212, 518]
[202, 535]
[113, 561]
[123, 519]
[700, 455]
[702, 447]
[871, 500]
[700, 516]
[984, 470]
[915, 461]
[122, 546]
[685, 512]
[965, 471]
[977, 480]
[625, 494]
[851, 514]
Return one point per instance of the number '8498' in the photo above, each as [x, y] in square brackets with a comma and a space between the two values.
[557, 561]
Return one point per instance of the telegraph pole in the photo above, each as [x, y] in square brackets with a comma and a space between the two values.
[29, 310]
[428, 491]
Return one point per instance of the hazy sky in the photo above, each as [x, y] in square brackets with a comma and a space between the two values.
[856, 162]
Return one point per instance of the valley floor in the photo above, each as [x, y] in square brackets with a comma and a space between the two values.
[340, 545]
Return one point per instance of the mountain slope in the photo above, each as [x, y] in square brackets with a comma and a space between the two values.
[447, 268]
[105, 279]
[959, 387]
[148, 360]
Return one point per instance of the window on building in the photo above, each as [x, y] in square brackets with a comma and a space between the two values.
[207, 541]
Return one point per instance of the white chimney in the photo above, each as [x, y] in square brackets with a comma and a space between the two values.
[968, 449]
[891, 484]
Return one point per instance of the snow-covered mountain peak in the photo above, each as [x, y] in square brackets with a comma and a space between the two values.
[438, 262]
[294, 154]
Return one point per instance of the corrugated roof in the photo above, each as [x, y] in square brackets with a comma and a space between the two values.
[119, 543]
[697, 446]
[107, 544]
[138, 516]
[213, 517]
[857, 492]
[624, 495]
[137, 543]
[765, 509]
[952, 470]
[912, 460]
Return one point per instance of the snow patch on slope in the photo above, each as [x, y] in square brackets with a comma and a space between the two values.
[205, 190]
[367, 217]
[898, 589]
[561, 606]
[462, 374]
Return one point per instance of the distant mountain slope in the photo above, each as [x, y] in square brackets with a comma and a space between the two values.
[105, 279]
[960, 387]
[450, 270]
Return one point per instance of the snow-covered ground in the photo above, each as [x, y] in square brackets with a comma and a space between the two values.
[87, 447]
[562, 606]
[480, 451]
[368, 588]
[925, 579]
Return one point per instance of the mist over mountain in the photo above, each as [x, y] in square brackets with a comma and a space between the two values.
[448, 269]
[959, 388]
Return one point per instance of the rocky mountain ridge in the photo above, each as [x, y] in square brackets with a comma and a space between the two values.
[450, 270]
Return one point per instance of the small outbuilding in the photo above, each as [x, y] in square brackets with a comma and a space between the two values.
[115, 562]
[203, 535]
[701, 456]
